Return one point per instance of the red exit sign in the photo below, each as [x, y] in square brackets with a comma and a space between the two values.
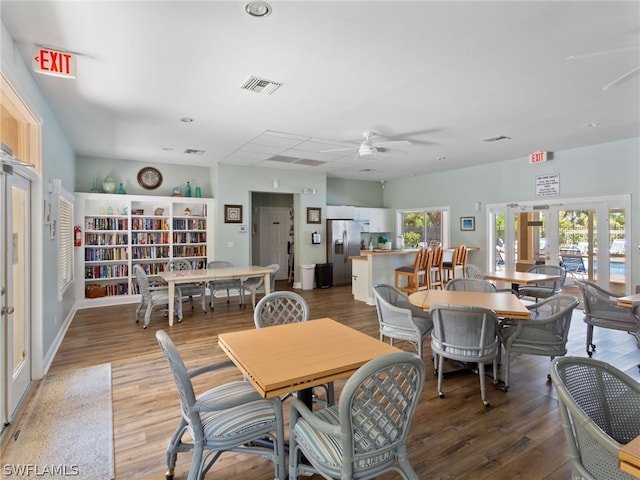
[54, 62]
[538, 157]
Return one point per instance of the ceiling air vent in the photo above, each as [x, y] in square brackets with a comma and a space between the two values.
[497, 139]
[193, 151]
[261, 85]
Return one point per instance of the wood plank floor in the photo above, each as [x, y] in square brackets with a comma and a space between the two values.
[519, 437]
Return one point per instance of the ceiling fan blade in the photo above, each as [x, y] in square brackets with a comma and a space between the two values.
[355, 147]
[623, 78]
[603, 52]
[391, 143]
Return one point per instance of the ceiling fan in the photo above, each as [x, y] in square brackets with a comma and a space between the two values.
[619, 80]
[371, 147]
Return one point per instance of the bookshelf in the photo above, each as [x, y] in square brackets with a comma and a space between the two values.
[120, 231]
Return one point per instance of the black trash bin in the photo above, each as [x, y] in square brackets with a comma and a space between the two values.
[324, 275]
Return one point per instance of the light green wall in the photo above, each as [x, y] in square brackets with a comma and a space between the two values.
[359, 193]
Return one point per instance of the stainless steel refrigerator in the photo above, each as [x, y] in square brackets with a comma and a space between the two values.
[343, 241]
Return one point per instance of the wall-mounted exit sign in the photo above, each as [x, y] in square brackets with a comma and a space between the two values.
[538, 157]
[54, 62]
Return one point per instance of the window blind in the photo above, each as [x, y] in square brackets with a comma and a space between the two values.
[65, 236]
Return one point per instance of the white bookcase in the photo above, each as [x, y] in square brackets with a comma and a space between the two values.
[120, 231]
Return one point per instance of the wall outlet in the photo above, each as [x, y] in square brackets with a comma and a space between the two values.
[230, 244]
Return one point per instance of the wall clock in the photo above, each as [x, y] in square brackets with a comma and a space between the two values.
[149, 178]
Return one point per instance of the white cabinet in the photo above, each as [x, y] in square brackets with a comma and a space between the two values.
[360, 280]
[362, 216]
[120, 231]
[381, 220]
[340, 212]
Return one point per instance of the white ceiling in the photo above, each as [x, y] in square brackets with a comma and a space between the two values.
[445, 75]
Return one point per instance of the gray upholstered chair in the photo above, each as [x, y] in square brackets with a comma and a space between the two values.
[400, 320]
[471, 285]
[601, 310]
[364, 435]
[227, 418]
[544, 334]
[225, 285]
[279, 308]
[465, 334]
[255, 285]
[544, 289]
[153, 297]
[599, 408]
[188, 290]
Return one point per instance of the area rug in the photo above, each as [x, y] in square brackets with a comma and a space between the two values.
[68, 430]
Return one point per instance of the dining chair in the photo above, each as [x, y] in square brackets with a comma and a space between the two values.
[436, 267]
[473, 271]
[231, 417]
[398, 319]
[544, 289]
[411, 274]
[545, 334]
[465, 334]
[188, 290]
[282, 307]
[601, 310]
[599, 407]
[457, 263]
[255, 285]
[152, 297]
[365, 434]
[225, 285]
[471, 285]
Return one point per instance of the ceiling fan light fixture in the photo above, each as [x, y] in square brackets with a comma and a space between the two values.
[258, 9]
[367, 150]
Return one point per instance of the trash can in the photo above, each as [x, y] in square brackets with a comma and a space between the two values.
[307, 272]
[324, 275]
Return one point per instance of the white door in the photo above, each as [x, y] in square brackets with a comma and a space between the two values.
[275, 227]
[15, 334]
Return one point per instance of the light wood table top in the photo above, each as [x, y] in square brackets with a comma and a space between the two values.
[206, 274]
[629, 456]
[628, 300]
[521, 278]
[296, 356]
[505, 304]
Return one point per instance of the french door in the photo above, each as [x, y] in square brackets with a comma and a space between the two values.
[589, 237]
[15, 297]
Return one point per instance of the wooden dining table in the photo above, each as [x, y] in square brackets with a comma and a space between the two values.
[299, 356]
[628, 300]
[207, 274]
[629, 457]
[520, 278]
[505, 304]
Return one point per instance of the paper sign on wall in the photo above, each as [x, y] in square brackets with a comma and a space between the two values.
[548, 185]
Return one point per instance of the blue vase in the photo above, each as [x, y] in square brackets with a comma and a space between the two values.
[121, 190]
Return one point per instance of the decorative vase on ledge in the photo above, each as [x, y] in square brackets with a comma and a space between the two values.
[108, 186]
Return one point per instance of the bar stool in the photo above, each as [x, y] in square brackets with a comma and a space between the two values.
[412, 273]
[436, 267]
[458, 262]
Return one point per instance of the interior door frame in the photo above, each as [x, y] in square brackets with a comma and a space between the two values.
[602, 205]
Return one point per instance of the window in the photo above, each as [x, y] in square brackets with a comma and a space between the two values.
[65, 237]
[423, 227]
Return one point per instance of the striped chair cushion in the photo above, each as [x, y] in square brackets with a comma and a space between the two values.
[238, 420]
[239, 391]
[327, 449]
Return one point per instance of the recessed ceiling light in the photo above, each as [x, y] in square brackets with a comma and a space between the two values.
[167, 149]
[441, 158]
[592, 124]
[186, 119]
[258, 9]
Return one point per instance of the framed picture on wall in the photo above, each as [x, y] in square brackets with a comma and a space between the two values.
[467, 223]
[233, 214]
[313, 215]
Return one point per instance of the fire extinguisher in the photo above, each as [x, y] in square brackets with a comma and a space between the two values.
[77, 236]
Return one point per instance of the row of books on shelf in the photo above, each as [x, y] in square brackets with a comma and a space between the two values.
[190, 251]
[106, 290]
[139, 252]
[105, 254]
[106, 223]
[189, 224]
[106, 271]
[149, 224]
[190, 237]
[142, 238]
[91, 239]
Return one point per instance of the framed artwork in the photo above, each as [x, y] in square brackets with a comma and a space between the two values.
[313, 215]
[467, 223]
[233, 214]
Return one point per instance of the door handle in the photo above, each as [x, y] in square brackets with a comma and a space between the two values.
[6, 310]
